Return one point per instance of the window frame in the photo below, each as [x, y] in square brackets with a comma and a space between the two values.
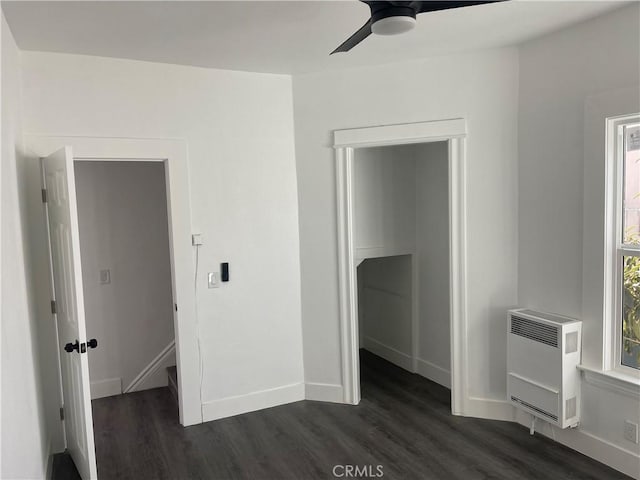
[615, 249]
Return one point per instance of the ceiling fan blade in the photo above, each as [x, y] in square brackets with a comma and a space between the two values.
[432, 6]
[354, 39]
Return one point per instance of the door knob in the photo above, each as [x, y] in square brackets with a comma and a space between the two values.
[93, 343]
[70, 347]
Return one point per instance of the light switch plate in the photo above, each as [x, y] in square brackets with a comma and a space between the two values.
[212, 279]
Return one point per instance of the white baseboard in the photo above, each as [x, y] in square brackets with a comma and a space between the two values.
[390, 354]
[588, 444]
[230, 406]
[434, 373]
[424, 368]
[106, 388]
[489, 408]
[324, 392]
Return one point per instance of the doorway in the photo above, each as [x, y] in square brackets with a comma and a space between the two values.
[392, 238]
[401, 218]
[126, 273]
[66, 286]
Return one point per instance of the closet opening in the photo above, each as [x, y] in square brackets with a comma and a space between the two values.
[401, 217]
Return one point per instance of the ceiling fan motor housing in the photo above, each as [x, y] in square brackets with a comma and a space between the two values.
[392, 20]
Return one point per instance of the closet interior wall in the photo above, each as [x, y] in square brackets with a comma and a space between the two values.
[401, 217]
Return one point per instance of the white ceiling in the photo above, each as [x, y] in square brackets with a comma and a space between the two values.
[277, 37]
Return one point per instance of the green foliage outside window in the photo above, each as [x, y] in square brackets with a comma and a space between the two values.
[631, 302]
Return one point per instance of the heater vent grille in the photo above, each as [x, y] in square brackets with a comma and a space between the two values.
[535, 409]
[539, 332]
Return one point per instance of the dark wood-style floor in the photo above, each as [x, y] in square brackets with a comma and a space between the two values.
[403, 424]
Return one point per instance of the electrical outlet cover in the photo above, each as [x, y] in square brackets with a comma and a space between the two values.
[631, 431]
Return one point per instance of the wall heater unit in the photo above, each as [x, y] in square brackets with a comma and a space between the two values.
[543, 351]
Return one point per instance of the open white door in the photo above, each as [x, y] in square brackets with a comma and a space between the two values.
[64, 238]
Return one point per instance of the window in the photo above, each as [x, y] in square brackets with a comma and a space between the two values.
[625, 133]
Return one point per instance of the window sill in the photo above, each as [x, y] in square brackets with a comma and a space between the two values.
[612, 380]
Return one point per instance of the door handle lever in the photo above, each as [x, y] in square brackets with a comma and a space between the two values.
[70, 347]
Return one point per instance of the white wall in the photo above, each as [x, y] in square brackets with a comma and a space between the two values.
[25, 435]
[122, 213]
[432, 242]
[480, 87]
[385, 308]
[402, 204]
[557, 73]
[384, 198]
[239, 131]
[565, 77]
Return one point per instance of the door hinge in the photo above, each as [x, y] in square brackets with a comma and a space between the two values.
[44, 195]
[54, 308]
[62, 413]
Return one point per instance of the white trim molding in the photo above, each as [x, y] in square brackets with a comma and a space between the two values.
[393, 355]
[458, 274]
[173, 153]
[106, 388]
[345, 142]
[400, 134]
[614, 249]
[433, 372]
[152, 367]
[324, 392]
[347, 278]
[612, 380]
[250, 402]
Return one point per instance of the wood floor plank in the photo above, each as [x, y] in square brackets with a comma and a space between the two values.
[403, 423]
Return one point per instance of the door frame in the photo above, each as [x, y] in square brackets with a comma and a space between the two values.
[345, 142]
[173, 154]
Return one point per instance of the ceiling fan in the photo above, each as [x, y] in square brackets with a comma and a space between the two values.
[394, 17]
